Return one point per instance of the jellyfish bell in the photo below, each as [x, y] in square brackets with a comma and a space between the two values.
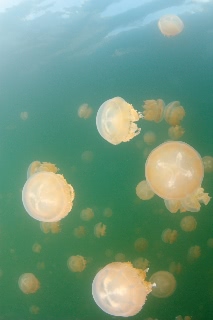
[84, 111]
[120, 290]
[153, 110]
[76, 263]
[174, 113]
[208, 163]
[170, 25]
[188, 223]
[175, 132]
[116, 119]
[28, 283]
[149, 137]
[47, 196]
[37, 166]
[165, 284]
[143, 191]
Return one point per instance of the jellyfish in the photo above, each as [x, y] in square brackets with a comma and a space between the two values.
[149, 137]
[47, 196]
[174, 171]
[87, 156]
[143, 191]
[28, 283]
[120, 257]
[141, 244]
[120, 290]
[194, 253]
[34, 309]
[169, 236]
[76, 263]
[116, 119]
[210, 243]
[84, 111]
[175, 132]
[141, 263]
[174, 113]
[40, 265]
[170, 25]
[79, 232]
[53, 227]
[37, 166]
[165, 284]
[153, 110]
[87, 214]
[107, 212]
[188, 223]
[24, 115]
[36, 247]
[100, 230]
[175, 267]
[208, 163]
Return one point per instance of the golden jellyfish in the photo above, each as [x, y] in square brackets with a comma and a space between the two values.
[143, 191]
[47, 196]
[141, 244]
[153, 110]
[141, 263]
[37, 166]
[149, 137]
[87, 214]
[175, 267]
[76, 263]
[53, 227]
[170, 25]
[36, 247]
[208, 163]
[165, 284]
[24, 115]
[87, 156]
[34, 309]
[116, 119]
[194, 253]
[169, 236]
[120, 290]
[107, 212]
[174, 171]
[28, 283]
[120, 257]
[40, 265]
[188, 223]
[174, 113]
[79, 232]
[210, 243]
[100, 230]
[84, 111]
[175, 132]
[108, 253]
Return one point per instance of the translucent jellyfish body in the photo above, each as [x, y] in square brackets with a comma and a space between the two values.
[174, 171]
[76, 263]
[143, 191]
[28, 283]
[169, 236]
[120, 290]
[170, 25]
[116, 119]
[188, 223]
[174, 113]
[165, 284]
[208, 163]
[47, 196]
[153, 110]
[37, 166]
[84, 111]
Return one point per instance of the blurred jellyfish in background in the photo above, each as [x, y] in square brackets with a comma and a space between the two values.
[79, 232]
[141, 244]
[149, 137]
[174, 113]
[36, 247]
[175, 267]
[194, 253]
[153, 110]
[169, 236]
[188, 223]
[107, 212]
[143, 191]
[208, 163]
[210, 243]
[24, 115]
[52, 227]
[87, 156]
[28, 283]
[84, 111]
[120, 290]
[76, 263]
[170, 25]
[120, 257]
[87, 214]
[140, 263]
[174, 171]
[165, 284]
[100, 230]
[34, 309]
[116, 119]
[175, 132]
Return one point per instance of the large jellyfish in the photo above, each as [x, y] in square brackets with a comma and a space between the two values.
[28, 283]
[165, 284]
[116, 119]
[120, 290]
[47, 196]
[170, 25]
[174, 171]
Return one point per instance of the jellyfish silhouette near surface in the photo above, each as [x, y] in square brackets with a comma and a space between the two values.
[116, 119]
[120, 290]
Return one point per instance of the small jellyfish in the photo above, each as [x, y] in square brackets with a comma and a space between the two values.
[87, 214]
[149, 137]
[141, 263]
[24, 115]
[141, 244]
[36, 247]
[120, 257]
[210, 243]
[79, 232]
[170, 25]
[53, 227]
[169, 236]
[76, 263]
[194, 253]
[108, 253]
[116, 119]
[84, 111]
[174, 113]
[188, 223]
[40, 265]
[165, 284]
[143, 191]
[107, 212]
[175, 132]
[120, 290]
[87, 156]
[34, 309]
[175, 267]
[28, 283]
[47, 196]
[37, 166]
[208, 163]
[100, 230]
[153, 110]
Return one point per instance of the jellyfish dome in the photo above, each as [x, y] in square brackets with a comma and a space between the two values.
[47, 196]
[170, 25]
[115, 121]
[28, 283]
[120, 290]
[165, 284]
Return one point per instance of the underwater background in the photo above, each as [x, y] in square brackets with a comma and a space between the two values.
[55, 56]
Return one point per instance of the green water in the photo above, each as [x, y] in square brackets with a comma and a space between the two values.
[49, 71]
